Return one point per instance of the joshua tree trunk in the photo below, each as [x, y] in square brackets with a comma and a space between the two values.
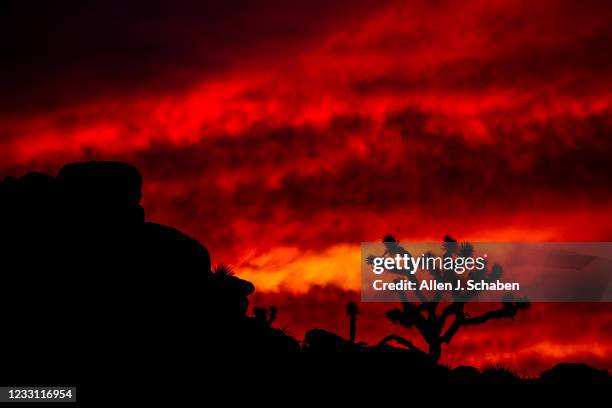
[353, 328]
[435, 351]
[352, 311]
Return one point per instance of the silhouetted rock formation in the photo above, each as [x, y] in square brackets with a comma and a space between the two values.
[90, 286]
[319, 340]
[567, 374]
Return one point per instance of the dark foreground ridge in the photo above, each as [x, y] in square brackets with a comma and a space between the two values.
[92, 294]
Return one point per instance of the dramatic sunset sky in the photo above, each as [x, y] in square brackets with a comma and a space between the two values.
[281, 136]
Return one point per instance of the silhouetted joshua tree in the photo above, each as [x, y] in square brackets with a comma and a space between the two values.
[352, 311]
[424, 314]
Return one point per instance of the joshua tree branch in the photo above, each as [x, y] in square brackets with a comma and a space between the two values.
[438, 296]
[452, 330]
[508, 310]
[417, 292]
[451, 309]
[414, 311]
[406, 343]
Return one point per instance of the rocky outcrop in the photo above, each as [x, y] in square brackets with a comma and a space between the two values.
[87, 283]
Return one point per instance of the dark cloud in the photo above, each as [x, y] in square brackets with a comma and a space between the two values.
[273, 177]
[69, 52]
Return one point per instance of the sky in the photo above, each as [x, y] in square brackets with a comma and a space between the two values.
[283, 135]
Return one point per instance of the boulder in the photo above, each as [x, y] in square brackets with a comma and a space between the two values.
[576, 373]
[101, 192]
